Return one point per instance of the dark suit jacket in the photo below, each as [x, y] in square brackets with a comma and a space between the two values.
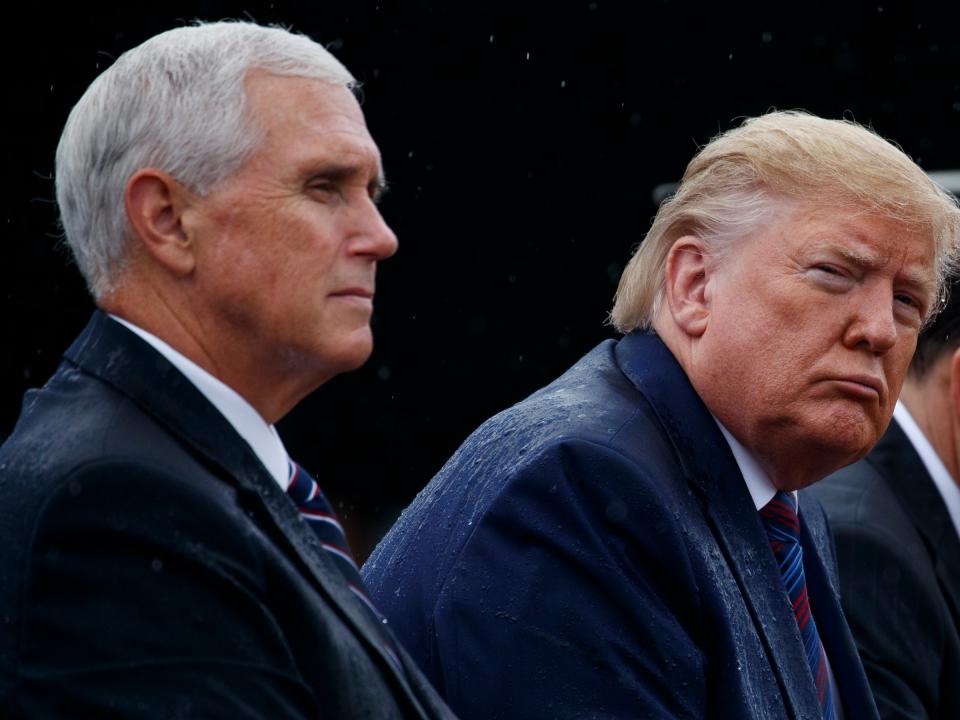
[899, 558]
[594, 552]
[151, 568]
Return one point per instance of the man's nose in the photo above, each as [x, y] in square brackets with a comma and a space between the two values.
[873, 325]
[373, 237]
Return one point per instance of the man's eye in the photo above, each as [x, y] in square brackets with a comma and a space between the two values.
[831, 275]
[829, 269]
[832, 278]
[907, 300]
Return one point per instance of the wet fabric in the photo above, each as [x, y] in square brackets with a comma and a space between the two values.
[783, 529]
[593, 551]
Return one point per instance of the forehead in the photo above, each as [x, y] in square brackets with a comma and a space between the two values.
[297, 112]
[868, 240]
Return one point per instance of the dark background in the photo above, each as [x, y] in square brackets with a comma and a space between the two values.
[521, 141]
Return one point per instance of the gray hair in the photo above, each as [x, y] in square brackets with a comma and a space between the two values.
[737, 182]
[176, 103]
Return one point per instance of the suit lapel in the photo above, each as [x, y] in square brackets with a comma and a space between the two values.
[712, 471]
[118, 357]
[902, 469]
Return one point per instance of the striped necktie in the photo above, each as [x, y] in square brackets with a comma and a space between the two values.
[783, 530]
[317, 511]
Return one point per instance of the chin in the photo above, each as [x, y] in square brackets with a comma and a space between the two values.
[354, 351]
[351, 359]
[844, 445]
[337, 355]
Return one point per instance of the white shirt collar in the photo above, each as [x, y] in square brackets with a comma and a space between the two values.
[761, 488]
[945, 483]
[261, 437]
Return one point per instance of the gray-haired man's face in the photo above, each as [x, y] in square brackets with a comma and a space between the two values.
[288, 246]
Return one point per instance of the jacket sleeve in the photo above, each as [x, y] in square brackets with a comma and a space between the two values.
[143, 600]
[576, 586]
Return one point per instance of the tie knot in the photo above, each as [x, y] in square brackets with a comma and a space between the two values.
[780, 518]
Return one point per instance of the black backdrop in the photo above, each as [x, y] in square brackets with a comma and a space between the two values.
[521, 141]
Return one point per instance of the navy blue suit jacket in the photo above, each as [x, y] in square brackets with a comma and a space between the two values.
[593, 552]
[150, 567]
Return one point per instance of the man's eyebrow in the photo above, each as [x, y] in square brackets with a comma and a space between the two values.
[922, 282]
[861, 258]
[914, 278]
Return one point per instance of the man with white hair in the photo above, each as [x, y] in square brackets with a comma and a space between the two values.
[161, 555]
[626, 542]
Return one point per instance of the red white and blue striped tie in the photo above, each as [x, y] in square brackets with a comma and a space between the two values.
[783, 530]
[317, 511]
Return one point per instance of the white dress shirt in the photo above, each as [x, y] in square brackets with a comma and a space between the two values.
[260, 436]
[949, 489]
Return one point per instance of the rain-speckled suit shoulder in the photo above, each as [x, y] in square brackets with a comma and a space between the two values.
[150, 567]
[593, 552]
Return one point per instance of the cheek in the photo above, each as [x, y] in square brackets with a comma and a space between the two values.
[896, 368]
[310, 240]
[254, 270]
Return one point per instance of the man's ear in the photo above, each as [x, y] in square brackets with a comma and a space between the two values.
[155, 204]
[686, 285]
[955, 383]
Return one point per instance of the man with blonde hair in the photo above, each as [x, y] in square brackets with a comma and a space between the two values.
[629, 541]
[161, 555]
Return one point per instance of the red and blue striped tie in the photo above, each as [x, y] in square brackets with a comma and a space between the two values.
[317, 511]
[783, 530]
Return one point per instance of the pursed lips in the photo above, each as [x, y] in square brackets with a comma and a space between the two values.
[863, 384]
[354, 292]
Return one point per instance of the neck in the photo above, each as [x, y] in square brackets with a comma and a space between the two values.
[271, 391]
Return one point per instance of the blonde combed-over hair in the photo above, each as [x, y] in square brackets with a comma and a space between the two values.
[735, 184]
